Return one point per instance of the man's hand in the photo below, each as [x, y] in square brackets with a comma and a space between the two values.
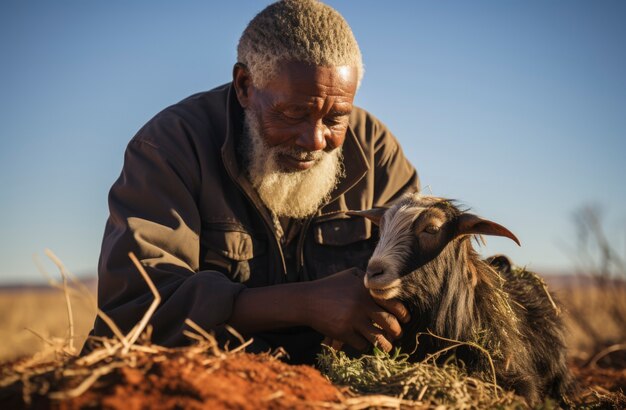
[341, 308]
[338, 306]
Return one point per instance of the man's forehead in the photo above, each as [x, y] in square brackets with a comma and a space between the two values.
[306, 71]
[306, 103]
[300, 79]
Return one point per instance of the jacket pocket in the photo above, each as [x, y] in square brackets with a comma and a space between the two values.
[341, 231]
[231, 250]
[339, 243]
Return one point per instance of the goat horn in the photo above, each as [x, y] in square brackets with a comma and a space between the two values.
[472, 224]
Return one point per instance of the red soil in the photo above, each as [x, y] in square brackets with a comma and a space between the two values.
[242, 381]
[176, 380]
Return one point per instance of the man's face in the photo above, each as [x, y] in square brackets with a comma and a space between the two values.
[304, 108]
[294, 129]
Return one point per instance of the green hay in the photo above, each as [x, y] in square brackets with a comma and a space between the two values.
[425, 384]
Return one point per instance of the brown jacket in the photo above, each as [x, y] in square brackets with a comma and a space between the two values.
[185, 208]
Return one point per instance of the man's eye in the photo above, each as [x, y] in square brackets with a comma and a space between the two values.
[292, 115]
[333, 121]
[432, 229]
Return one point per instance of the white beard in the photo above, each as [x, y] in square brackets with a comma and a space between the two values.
[296, 194]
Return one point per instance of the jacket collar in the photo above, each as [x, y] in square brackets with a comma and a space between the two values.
[354, 160]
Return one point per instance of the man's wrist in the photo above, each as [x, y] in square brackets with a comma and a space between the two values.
[272, 307]
[302, 302]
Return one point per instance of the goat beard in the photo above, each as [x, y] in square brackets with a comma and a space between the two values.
[296, 194]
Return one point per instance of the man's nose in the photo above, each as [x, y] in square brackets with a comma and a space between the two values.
[314, 137]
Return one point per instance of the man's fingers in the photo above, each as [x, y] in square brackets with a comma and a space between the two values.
[334, 343]
[387, 322]
[355, 340]
[377, 338]
[362, 342]
[396, 308]
[359, 342]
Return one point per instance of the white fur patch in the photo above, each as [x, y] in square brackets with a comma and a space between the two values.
[392, 251]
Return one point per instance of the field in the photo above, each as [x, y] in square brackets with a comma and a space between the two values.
[36, 320]
[27, 313]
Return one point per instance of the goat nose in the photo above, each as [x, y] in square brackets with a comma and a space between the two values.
[372, 273]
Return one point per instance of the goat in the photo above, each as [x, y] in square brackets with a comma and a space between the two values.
[425, 258]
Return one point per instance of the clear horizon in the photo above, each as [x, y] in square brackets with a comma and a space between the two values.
[517, 109]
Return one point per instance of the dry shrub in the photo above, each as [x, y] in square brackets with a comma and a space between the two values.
[596, 299]
[33, 319]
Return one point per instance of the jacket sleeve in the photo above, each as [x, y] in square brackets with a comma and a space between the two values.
[153, 213]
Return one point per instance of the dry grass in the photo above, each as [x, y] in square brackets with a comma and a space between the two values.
[598, 305]
[421, 385]
[591, 318]
[45, 313]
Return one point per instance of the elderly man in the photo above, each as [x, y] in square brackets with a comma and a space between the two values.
[234, 199]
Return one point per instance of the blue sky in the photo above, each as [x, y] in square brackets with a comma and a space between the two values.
[518, 109]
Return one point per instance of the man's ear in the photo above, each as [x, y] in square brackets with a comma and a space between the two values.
[374, 214]
[242, 81]
[472, 224]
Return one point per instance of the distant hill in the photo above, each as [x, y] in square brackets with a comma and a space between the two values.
[91, 282]
[570, 280]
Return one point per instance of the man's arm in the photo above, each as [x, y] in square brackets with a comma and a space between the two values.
[153, 213]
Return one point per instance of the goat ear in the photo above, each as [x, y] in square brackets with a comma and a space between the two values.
[374, 214]
[472, 224]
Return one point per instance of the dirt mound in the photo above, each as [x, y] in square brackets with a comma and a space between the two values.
[176, 379]
[194, 378]
[243, 381]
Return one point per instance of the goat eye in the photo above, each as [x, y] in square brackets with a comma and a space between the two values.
[432, 229]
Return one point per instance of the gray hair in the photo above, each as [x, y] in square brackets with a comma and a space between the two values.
[306, 31]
